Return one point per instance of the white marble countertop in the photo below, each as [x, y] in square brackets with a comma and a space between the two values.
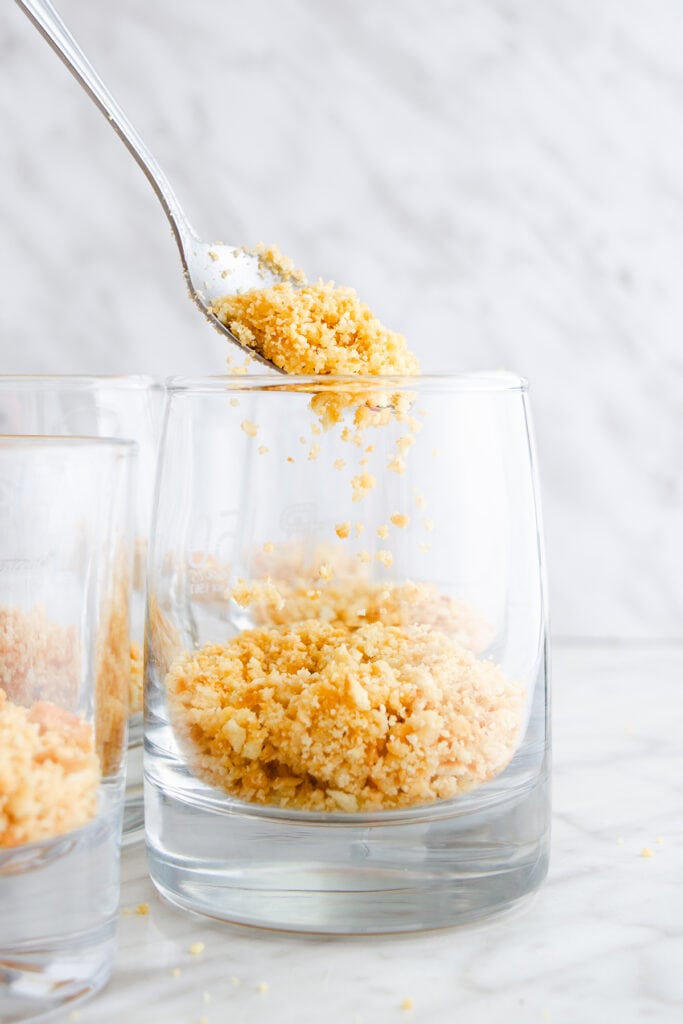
[602, 941]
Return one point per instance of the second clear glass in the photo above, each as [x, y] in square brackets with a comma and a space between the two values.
[65, 587]
[103, 406]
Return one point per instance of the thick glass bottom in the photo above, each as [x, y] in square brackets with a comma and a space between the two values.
[59, 901]
[134, 808]
[427, 868]
[37, 983]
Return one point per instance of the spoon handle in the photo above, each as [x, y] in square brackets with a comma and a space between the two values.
[52, 28]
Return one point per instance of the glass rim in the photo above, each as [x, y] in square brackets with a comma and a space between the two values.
[474, 382]
[123, 445]
[132, 381]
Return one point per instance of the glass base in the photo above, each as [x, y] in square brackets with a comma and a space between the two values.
[38, 983]
[134, 807]
[133, 819]
[423, 869]
[59, 900]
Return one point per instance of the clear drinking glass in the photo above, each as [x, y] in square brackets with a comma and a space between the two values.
[103, 406]
[65, 585]
[347, 684]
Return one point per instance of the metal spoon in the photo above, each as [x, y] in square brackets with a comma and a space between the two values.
[211, 270]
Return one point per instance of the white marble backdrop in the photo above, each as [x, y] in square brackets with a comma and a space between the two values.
[500, 179]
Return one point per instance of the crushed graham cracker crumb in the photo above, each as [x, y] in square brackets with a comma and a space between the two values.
[339, 463]
[300, 716]
[386, 558]
[246, 593]
[362, 484]
[271, 259]
[142, 909]
[343, 530]
[136, 684]
[314, 329]
[263, 449]
[400, 520]
[383, 531]
[249, 428]
[49, 772]
[353, 602]
[113, 673]
[39, 659]
[404, 443]
[196, 948]
[397, 465]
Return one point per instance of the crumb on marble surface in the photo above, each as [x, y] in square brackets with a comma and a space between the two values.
[249, 428]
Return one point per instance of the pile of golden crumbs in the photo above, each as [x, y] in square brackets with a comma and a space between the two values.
[355, 602]
[316, 716]
[312, 328]
[49, 772]
[39, 659]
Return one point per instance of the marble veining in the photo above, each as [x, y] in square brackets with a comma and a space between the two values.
[601, 942]
[501, 179]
